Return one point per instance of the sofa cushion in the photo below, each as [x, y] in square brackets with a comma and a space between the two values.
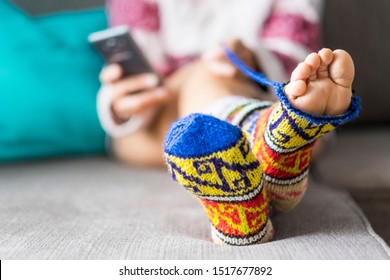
[94, 208]
[358, 158]
[48, 81]
[359, 161]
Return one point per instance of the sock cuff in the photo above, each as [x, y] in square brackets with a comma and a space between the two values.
[351, 114]
[289, 129]
[263, 235]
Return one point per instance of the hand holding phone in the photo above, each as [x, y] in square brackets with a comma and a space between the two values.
[133, 88]
[116, 46]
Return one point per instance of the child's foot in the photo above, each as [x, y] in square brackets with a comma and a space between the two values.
[322, 84]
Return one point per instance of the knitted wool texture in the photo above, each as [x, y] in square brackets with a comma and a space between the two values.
[237, 180]
[213, 160]
[281, 137]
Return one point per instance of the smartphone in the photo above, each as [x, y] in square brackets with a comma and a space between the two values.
[116, 45]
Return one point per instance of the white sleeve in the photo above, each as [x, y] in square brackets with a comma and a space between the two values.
[290, 33]
[311, 10]
[112, 128]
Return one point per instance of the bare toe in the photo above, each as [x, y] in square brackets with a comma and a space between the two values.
[302, 72]
[314, 61]
[295, 89]
[342, 70]
[322, 84]
[297, 85]
[326, 56]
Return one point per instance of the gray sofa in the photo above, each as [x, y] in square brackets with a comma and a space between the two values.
[96, 208]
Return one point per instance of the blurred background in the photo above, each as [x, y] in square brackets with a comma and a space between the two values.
[38, 7]
[362, 27]
[359, 26]
[49, 79]
[359, 160]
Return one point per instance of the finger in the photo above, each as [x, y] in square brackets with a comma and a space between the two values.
[132, 104]
[134, 84]
[215, 53]
[218, 53]
[216, 61]
[242, 52]
[224, 69]
[111, 73]
[235, 44]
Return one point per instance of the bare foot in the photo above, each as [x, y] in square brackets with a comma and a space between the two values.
[322, 84]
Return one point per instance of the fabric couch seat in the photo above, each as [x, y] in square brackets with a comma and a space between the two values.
[94, 208]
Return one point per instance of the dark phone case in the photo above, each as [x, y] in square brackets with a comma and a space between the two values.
[121, 49]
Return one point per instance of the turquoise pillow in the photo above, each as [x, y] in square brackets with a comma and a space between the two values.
[48, 84]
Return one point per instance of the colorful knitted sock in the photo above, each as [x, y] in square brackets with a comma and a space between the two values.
[285, 170]
[213, 160]
[281, 137]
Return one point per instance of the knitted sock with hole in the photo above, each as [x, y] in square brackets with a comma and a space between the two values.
[213, 160]
[285, 170]
[281, 137]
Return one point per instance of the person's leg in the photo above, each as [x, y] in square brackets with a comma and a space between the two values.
[213, 159]
[203, 89]
[195, 89]
[216, 165]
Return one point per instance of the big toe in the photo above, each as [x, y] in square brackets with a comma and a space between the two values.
[342, 70]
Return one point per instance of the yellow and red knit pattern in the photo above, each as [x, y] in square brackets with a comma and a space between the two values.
[241, 223]
[282, 143]
[282, 136]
